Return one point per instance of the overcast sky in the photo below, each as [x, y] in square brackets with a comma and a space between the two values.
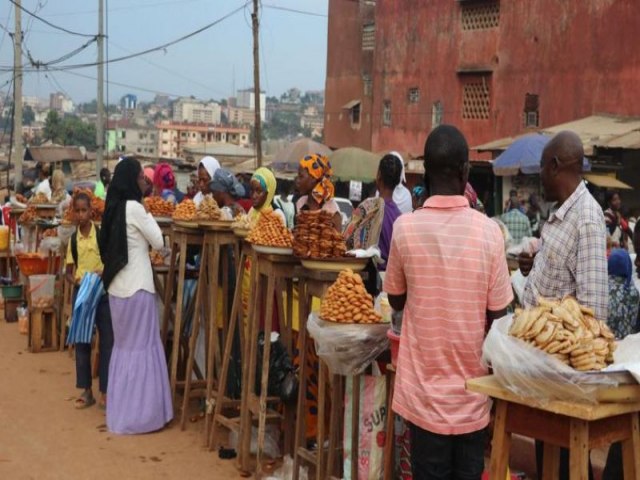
[209, 65]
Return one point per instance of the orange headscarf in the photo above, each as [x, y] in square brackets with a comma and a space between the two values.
[319, 168]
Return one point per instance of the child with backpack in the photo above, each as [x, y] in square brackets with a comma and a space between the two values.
[83, 256]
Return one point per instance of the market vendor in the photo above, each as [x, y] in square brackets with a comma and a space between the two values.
[102, 184]
[226, 192]
[206, 170]
[387, 180]
[447, 267]
[572, 259]
[164, 182]
[316, 190]
[58, 192]
[43, 186]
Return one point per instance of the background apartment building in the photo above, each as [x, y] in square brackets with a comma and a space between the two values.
[174, 137]
[195, 111]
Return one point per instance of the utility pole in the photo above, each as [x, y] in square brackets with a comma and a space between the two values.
[100, 99]
[17, 96]
[256, 81]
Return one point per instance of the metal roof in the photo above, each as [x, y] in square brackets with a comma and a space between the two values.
[596, 131]
[54, 154]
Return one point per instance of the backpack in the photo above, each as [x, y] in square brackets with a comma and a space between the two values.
[74, 244]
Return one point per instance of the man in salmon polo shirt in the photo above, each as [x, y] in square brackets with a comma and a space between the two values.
[447, 271]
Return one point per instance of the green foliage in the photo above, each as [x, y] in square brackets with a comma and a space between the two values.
[69, 130]
[283, 125]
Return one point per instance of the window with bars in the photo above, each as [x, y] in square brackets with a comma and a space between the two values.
[480, 16]
[386, 113]
[413, 95]
[531, 111]
[476, 99]
[368, 36]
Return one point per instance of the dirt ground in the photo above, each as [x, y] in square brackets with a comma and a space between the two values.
[42, 436]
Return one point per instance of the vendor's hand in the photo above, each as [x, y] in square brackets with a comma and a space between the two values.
[525, 262]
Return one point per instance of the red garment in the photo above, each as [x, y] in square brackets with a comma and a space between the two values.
[245, 203]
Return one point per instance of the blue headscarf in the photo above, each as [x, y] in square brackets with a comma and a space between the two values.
[620, 265]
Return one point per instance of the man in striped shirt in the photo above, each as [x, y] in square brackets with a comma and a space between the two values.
[447, 270]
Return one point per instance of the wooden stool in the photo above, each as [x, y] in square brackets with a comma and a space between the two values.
[579, 427]
[315, 284]
[236, 321]
[181, 238]
[214, 248]
[271, 271]
[44, 330]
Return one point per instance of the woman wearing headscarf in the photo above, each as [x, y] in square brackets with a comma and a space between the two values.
[401, 194]
[313, 183]
[206, 170]
[226, 191]
[263, 191]
[623, 295]
[164, 182]
[138, 391]
[58, 192]
[148, 181]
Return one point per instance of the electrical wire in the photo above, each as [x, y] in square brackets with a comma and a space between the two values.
[47, 22]
[128, 8]
[149, 50]
[294, 10]
[40, 64]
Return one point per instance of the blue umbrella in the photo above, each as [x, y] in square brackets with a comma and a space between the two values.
[524, 156]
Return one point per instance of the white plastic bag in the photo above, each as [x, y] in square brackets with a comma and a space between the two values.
[530, 372]
[346, 348]
[271, 441]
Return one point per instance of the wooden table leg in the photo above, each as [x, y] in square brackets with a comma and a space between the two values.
[355, 426]
[501, 444]
[264, 383]
[551, 462]
[249, 376]
[322, 412]
[631, 450]
[578, 449]
[300, 434]
[213, 354]
[177, 325]
[390, 435]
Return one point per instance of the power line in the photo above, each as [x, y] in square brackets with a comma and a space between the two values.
[168, 70]
[67, 56]
[127, 8]
[118, 84]
[294, 10]
[47, 22]
[149, 50]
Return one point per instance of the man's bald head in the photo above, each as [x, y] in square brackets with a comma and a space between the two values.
[567, 147]
[561, 166]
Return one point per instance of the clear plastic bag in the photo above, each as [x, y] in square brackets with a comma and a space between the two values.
[271, 446]
[347, 349]
[530, 372]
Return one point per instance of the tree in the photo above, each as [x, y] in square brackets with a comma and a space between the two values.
[53, 127]
[28, 116]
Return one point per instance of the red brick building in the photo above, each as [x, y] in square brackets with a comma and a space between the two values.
[397, 68]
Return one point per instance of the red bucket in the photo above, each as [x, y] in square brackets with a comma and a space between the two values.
[394, 341]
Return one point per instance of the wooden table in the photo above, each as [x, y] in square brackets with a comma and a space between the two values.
[578, 427]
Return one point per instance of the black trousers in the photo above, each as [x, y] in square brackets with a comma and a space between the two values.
[105, 345]
[447, 457]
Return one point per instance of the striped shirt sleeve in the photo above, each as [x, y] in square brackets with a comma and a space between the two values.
[500, 293]
[395, 282]
[592, 283]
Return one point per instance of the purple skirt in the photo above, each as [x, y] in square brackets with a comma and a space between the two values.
[138, 394]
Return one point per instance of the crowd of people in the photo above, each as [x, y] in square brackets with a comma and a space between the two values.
[442, 263]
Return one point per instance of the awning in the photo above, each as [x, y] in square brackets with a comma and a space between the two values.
[606, 181]
[351, 104]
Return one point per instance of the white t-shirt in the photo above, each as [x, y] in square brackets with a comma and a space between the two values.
[44, 187]
[142, 231]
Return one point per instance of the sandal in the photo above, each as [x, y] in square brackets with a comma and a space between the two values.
[85, 400]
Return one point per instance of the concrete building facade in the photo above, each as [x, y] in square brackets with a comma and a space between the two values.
[246, 100]
[174, 137]
[196, 111]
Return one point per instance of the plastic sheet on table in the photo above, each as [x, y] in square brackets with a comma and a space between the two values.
[529, 372]
[346, 348]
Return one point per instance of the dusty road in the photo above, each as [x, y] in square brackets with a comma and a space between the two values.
[42, 436]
